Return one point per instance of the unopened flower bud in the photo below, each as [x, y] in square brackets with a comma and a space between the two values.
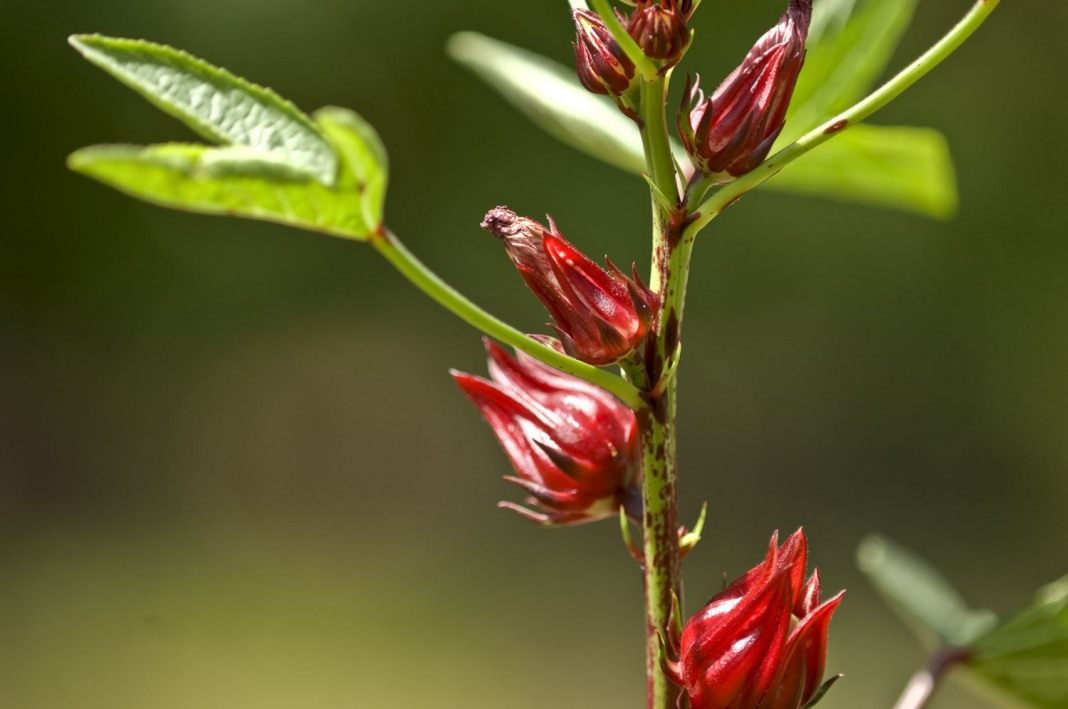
[762, 642]
[602, 66]
[660, 30]
[733, 130]
[574, 447]
[601, 315]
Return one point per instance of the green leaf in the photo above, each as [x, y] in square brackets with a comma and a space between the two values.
[365, 164]
[551, 96]
[849, 51]
[829, 16]
[1027, 655]
[214, 103]
[920, 595]
[894, 166]
[235, 181]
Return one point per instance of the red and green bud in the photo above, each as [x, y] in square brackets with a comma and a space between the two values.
[603, 67]
[601, 315]
[660, 29]
[733, 131]
[574, 447]
[762, 642]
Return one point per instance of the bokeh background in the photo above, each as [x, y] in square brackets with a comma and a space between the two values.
[233, 469]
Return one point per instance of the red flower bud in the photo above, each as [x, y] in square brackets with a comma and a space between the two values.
[762, 642]
[574, 447]
[733, 131]
[601, 315]
[602, 66]
[660, 29]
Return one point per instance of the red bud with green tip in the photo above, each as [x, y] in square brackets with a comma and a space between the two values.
[733, 130]
[602, 66]
[574, 447]
[762, 642]
[600, 314]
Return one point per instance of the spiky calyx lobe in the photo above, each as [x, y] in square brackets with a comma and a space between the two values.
[574, 447]
[762, 642]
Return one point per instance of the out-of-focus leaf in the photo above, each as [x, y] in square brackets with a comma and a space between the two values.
[920, 595]
[551, 96]
[217, 105]
[235, 181]
[900, 167]
[828, 16]
[1027, 655]
[850, 50]
[365, 164]
[893, 166]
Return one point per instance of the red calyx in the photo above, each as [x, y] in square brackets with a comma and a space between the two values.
[733, 130]
[602, 65]
[660, 30]
[574, 447]
[600, 314]
[762, 642]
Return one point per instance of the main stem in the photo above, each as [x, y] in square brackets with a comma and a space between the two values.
[660, 521]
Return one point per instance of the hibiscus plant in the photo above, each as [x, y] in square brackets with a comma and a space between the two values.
[586, 413]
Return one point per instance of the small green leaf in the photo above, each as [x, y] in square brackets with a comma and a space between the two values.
[920, 595]
[893, 166]
[234, 181]
[365, 164]
[1027, 655]
[845, 57]
[551, 96]
[214, 103]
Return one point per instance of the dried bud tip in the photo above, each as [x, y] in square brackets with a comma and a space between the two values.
[502, 222]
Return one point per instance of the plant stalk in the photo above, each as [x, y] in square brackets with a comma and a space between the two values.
[387, 244]
[660, 523]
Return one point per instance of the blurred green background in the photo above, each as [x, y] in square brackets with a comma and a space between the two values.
[234, 472]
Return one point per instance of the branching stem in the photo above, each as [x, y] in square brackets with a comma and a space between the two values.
[387, 244]
[893, 88]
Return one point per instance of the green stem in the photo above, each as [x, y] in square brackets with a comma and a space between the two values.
[658, 158]
[915, 71]
[387, 244]
[645, 66]
[660, 544]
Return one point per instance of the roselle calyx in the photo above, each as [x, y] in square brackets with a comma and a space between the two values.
[602, 66]
[660, 29]
[762, 642]
[574, 447]
[600, 314]
[733, 131]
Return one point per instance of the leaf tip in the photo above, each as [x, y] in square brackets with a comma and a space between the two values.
[461, 45]
[79, 160]
[871, 552]
[80, 41]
